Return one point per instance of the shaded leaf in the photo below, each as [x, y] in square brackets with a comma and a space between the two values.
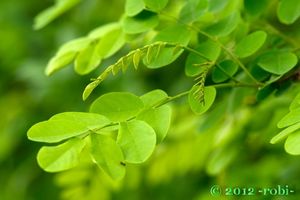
[228, 69]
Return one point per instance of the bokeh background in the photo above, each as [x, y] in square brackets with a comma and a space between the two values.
[228, 147]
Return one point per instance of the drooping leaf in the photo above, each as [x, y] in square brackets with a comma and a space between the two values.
[61, 157]
[140, 23]
[277, 62]
[285, 133]
[177, 34]
[292, 144]
[137, 140]
[194, 62]
[192, 10]
[108, 155]
[117, 106]
[104, 30]
[153, 97]
[156, 5]
[250, 44]
[48, 15]
[291, 118]
[288, 11]
[134, 7]
[224, 70]
[199, 107]
[295, 103]
[225, 26]
[159, 119]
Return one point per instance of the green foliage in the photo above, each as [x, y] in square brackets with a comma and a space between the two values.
[224, 71]
[288, 11]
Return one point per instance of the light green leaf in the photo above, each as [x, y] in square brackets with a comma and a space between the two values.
[192, 10]
[209, 98]
[137, 140]
[108, 156]
[89, 120]
[75, 45]
[288, 11]
[156, 5]
[224, 70]
[193, 63]
[295, 103]
[153, 97]
[159, 119]
[103, 30]
[134, 7]
[284, 133]
[278, 62]
[292, 144]
[250, 44]
[291, 118]
[225, 26]
[48, 15]
[216, 5]
[117, 106]
[61, 157]
[140, 23]
[177, 34]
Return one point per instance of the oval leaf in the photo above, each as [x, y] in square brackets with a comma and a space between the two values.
[137, 140]
[199, 107]
[224, 71]
[155, 5]
[133, 7]
[291, 118]
[153, 97]
[117, 106]
[108, 155]
[61, 157]
[286, 132]
[192, 10]
[292, 144]
[250, 44]
[288, 11]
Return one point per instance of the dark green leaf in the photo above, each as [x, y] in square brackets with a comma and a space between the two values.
[224, 71]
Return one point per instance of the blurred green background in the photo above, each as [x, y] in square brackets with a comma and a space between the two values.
[222, 148]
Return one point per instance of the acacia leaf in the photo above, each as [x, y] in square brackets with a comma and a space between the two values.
[292, 144]
[288, 11]
[228, 69]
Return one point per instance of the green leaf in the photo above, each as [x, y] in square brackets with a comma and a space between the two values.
[224, 71]
[177, 34]
[225, 26]
[209, 98]
[285, 133]
[153, 97]
[216, 5]
[48, 15]
[250, 44]
[61, 157]
[140, 23]
[291, 118]
[89, 120]
[292, 144]
[108, 155]
[117, 106]
[134, 7]
[103, 30]
[155, 5]
[159, 119]
[255, 7]
[193, 62]
[192, 10]
[295, 103]
[66, 54]
[288, 11]
[278, 62]
[137, 140]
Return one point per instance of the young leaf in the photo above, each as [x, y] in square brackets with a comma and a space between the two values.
[192, 10]
[140, 23]
[277, 62]
[225, 26]
[209, 50]
[48, 15]
[137, 140]
[292, 144]
[159, 119]
[199, 107]
[117, 106]
[136, 58]
[250, 44]
[284, 133]
[108, 155]
[58, 62]
[103, 30]
[134, 7]
[291, 118]
[153, 97]
[156, 5]
[288, 11]
[295, 103]
[61, 157]
[224, 71]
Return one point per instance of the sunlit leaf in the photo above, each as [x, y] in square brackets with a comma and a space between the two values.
[284, 133]
[156, 5]
[292, 144]
[224, 70]
[291, 118]
[288, 11]
[103, 30]
[153, 97]
[61, 157]
[134, 7]
[295, 103]
[192, 10]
